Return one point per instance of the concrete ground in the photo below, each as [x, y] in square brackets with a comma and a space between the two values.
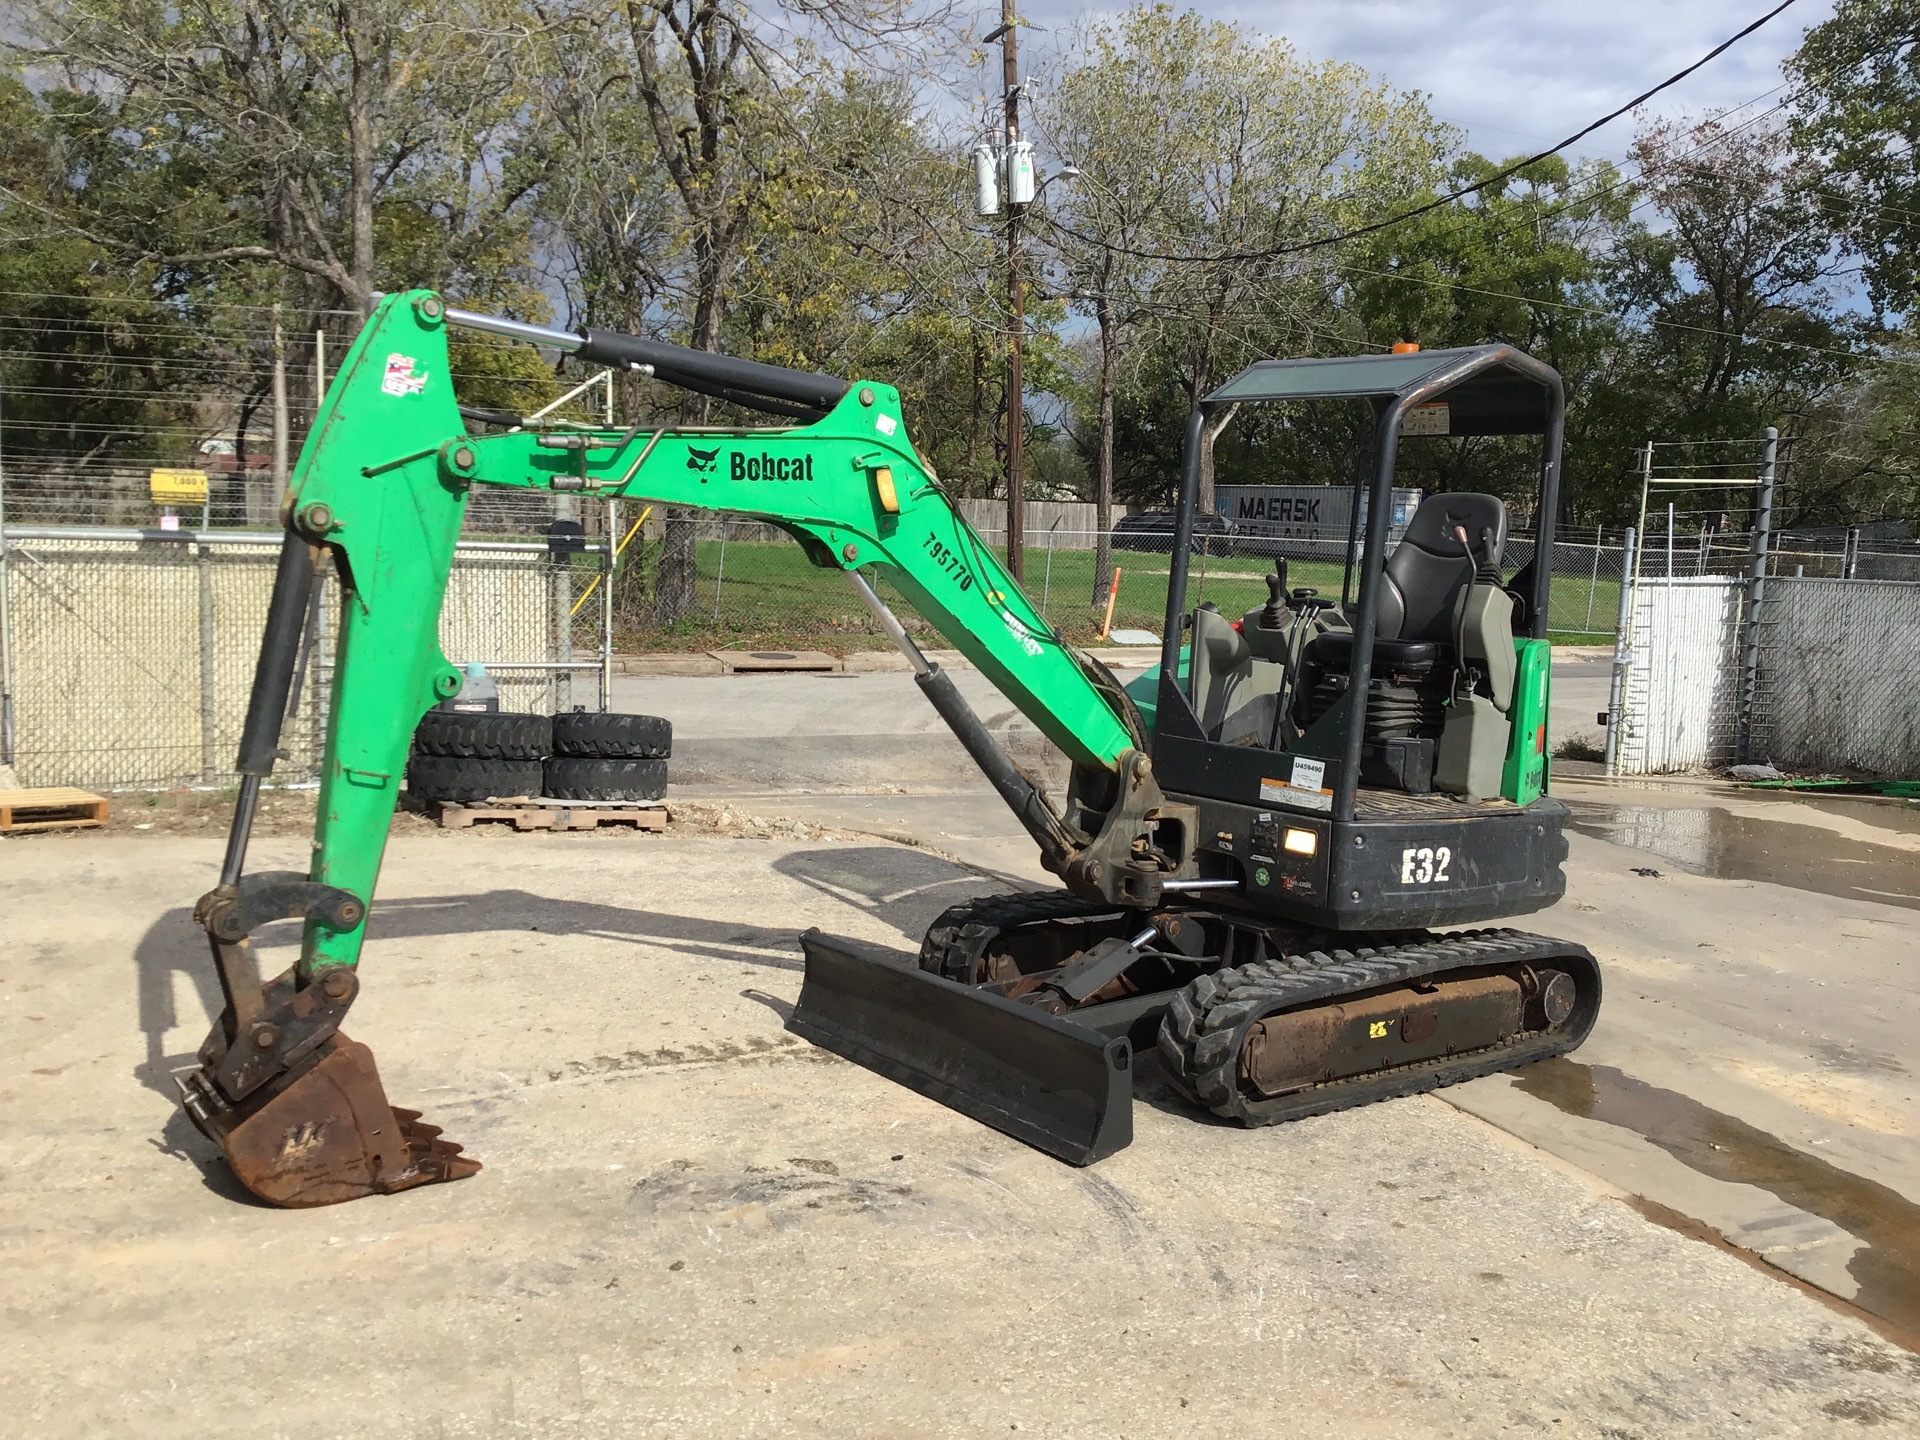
[692, 1224]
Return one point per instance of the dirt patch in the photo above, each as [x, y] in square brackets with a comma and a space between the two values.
[193, 812]
[172, 813]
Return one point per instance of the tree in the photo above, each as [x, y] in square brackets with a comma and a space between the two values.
[707, 92]
[310, 129]
[1857, 118]
[1520, 262]
[1280, 152]
[93, 364]
[1729, 315]
[1104, 223]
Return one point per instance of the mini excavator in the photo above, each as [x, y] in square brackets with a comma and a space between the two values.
[1255, 848]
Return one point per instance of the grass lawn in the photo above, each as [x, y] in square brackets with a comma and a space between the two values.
[768, 597]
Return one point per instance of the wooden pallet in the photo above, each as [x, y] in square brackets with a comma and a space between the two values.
[540, 813]
[51, 809]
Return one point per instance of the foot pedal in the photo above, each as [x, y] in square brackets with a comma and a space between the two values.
[325, 1134]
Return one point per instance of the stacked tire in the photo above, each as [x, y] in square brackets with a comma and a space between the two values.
[465, 759]
[469, 758]
[609, 757]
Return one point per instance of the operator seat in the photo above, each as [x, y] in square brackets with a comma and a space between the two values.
[1424, 577]
[1443, 654]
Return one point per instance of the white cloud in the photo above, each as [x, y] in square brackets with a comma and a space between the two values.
[1517, 76]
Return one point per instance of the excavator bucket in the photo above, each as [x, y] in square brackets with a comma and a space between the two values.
[1060, 1087]
[324, 1133]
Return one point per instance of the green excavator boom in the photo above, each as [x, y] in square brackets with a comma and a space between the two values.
[382, 484]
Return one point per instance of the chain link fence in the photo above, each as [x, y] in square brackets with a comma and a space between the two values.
[749, 586]
[129, 659]
[1838, 666]
[1839, 674]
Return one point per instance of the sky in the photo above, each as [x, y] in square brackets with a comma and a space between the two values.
[1520, 77]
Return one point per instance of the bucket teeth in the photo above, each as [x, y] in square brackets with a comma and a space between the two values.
[326, 1134]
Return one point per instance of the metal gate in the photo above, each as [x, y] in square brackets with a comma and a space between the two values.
[1682, 696]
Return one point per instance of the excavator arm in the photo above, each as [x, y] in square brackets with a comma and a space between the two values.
[382, 484]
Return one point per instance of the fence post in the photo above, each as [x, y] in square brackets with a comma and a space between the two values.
[208, 710]
[322, 663]
[1046, 583]
[606, 607]
[1756, 596]
[720, 570]
[1622, 657]
[565, 507]
[280, 430]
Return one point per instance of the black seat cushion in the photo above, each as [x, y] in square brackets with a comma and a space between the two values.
[1334, 650]
[1429, 567]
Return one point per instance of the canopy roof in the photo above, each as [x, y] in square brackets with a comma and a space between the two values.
[1500, 390]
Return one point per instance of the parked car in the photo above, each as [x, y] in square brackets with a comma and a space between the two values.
[1152, 531]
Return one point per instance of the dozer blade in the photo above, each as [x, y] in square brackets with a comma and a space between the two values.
[324, 1134]
[1059, 1087]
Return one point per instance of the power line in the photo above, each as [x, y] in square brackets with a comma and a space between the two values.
[1506, 172]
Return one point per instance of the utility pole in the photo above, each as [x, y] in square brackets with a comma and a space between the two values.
[1016, 295]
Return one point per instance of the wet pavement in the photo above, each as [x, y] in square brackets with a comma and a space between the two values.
[1746, 1083]
[1886, 1266]
[1709, 840]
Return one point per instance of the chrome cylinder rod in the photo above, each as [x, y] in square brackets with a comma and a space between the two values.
[552, 339]
[890, 623]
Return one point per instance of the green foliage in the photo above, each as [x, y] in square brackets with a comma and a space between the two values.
[692, 169]
[94, 363]
[1858, 117]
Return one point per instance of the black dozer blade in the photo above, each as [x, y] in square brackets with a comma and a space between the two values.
[1057, 1086]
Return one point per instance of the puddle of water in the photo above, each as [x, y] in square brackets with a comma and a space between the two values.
[1887, 1265]
[1740, 847]
[1881, 812]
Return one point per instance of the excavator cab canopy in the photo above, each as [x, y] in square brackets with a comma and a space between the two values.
[1398, 642]
[1488, 389]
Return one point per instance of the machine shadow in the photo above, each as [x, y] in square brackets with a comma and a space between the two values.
[902, 888]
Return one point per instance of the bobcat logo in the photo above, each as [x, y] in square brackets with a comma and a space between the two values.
[703, 460]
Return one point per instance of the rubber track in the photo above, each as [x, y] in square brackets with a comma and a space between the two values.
[949, 951]
[1206, 1025]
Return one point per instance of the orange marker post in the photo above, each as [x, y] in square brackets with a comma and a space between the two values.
[1113, 594]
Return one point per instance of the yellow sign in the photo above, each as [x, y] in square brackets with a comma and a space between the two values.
[178, 487]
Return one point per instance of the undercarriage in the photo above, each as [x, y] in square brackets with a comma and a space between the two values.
[1256, 1021]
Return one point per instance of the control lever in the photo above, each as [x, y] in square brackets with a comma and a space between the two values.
[1273, 615]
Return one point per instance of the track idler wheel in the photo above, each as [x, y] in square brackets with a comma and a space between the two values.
[324, 1133]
